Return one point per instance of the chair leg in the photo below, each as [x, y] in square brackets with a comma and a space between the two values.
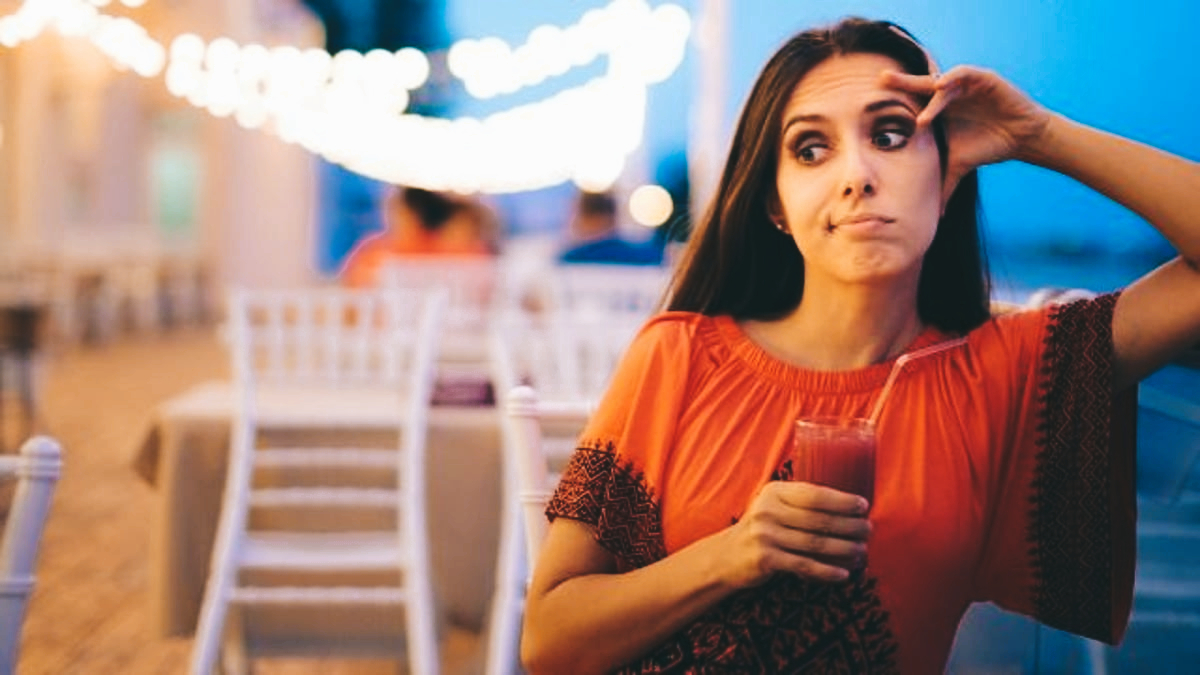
[207, 645]
[422, 631]
[234, 658]
[421, 628]
[210, 629]
[504, 622]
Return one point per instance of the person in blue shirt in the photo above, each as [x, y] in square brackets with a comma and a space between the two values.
[595, 238]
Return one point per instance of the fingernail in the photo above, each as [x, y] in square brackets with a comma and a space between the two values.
[863, 505]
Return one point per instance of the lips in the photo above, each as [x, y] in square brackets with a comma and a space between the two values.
[865, 221]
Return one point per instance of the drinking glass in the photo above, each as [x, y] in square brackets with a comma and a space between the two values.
[837, 452]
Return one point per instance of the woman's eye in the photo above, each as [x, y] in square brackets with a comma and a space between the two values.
[891, 140]
[811, 153]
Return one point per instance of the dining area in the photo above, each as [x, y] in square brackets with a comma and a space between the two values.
[339, 389]
[97, 605]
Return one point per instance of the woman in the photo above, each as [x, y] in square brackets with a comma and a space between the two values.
[843, 235]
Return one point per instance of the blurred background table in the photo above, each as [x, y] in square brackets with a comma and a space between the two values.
[184, 454]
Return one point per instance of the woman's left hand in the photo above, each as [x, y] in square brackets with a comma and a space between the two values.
[987, 119]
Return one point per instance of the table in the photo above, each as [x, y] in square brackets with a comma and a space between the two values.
[184, 454]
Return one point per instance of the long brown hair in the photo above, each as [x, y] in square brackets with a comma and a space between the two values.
[738, 263]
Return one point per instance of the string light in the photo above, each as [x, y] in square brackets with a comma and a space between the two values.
[350, 107]
[122, 40]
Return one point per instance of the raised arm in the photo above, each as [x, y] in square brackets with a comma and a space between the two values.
[988, 120]
[1158, 316]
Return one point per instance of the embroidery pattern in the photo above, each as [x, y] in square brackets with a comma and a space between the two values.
[787, 625]
[615, 500]
[1070, 524]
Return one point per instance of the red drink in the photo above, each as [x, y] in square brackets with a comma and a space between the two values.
[836, 452]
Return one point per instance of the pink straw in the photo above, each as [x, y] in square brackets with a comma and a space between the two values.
[903, 359]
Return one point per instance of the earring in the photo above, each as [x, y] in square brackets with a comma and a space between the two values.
[781, 227]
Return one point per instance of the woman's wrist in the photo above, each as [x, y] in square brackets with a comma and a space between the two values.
[1046, 147]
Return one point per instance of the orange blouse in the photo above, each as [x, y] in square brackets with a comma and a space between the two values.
[1004, 473]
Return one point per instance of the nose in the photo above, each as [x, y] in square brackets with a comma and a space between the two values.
[861, 178]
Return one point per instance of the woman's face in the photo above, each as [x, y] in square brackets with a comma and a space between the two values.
[859, 189]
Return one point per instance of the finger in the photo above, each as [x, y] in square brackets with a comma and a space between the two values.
[808, 568]
[913, 84]
[854, 528]
[849, 562]
[941, 99]
[830, 525]
[820, 498]
[814, 545]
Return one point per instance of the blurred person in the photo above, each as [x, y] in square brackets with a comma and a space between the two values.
[594, 236]
[418, 222]
[471, 230]
[842, 241]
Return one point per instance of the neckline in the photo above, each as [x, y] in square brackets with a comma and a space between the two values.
[862, 379]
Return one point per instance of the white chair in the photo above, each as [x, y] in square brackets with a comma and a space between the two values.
[477, 290]
[338, 341]
[538, 436]
[544, 435]
[36, 470]
[609, 289]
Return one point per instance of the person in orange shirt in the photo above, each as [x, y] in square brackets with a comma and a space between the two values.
[843, 237]
[472, 230]
[418, 222]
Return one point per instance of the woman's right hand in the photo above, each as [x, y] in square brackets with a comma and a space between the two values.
[809, 530]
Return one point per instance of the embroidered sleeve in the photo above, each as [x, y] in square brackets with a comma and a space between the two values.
[597, 489]
[610, 481]
[1061, 545]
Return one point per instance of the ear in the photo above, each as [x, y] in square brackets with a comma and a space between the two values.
[775, 211]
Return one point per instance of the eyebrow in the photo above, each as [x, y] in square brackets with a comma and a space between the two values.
[870, 108]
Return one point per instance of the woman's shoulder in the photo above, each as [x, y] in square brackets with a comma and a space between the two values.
[678, 326]
[682, 335]
[1008, 327]
[672, 320]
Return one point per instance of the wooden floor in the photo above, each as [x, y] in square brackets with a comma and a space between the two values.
[89, 611]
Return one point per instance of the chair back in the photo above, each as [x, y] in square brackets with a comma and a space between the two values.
[548, 373]
[329, 336]
[542, 435]
[36, 470]
[476, 287]
[568, 358]
[608, 289]
[565, 355]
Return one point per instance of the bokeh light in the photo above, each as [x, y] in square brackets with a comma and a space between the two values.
[650, 205]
